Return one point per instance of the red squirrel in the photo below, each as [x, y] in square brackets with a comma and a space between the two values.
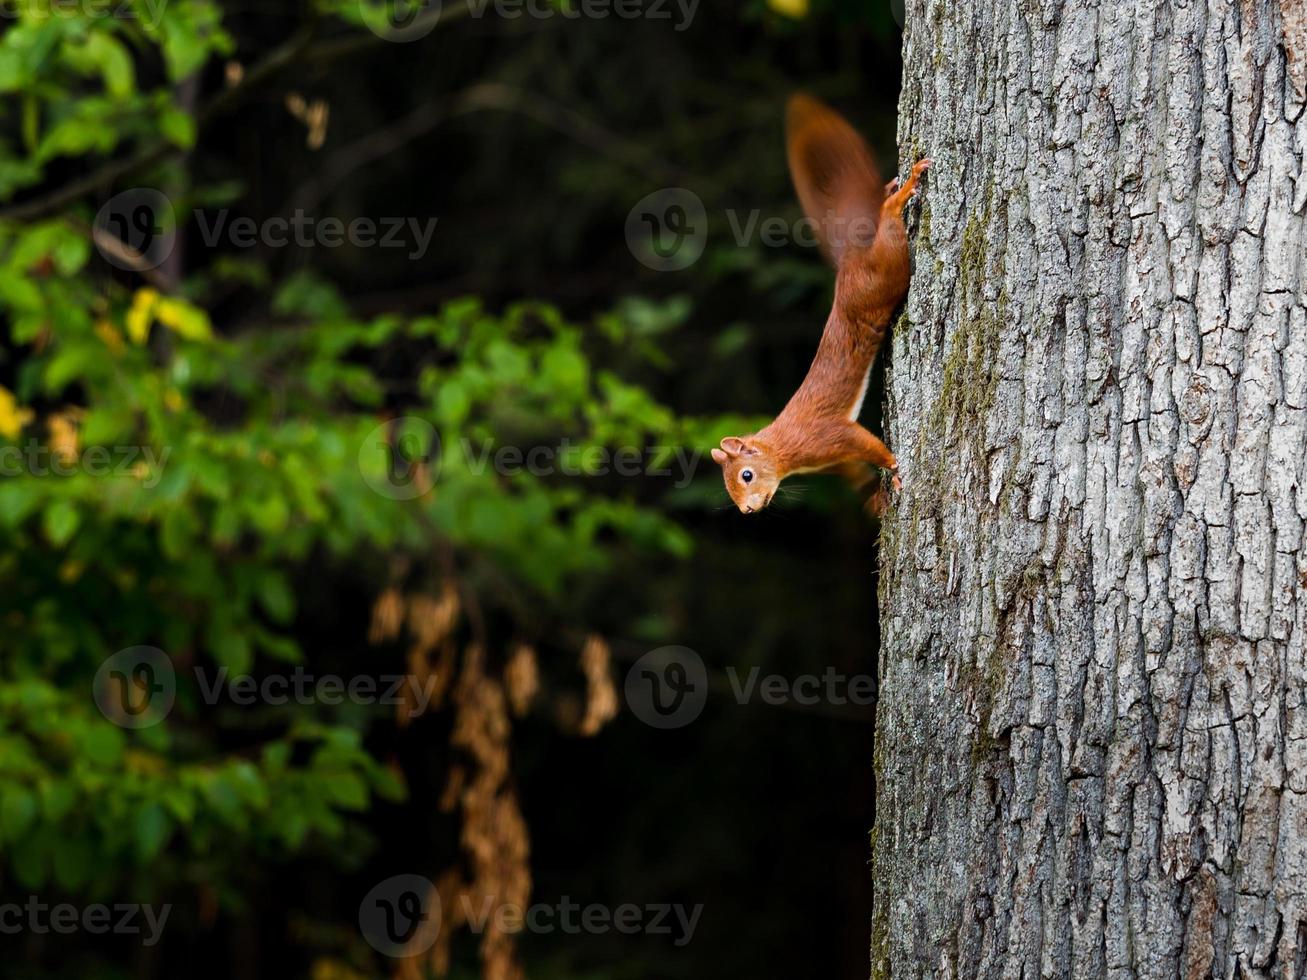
[860, 228]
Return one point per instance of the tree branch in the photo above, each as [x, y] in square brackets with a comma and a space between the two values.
[298, 49]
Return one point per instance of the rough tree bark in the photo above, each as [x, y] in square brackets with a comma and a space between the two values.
[1092, 740]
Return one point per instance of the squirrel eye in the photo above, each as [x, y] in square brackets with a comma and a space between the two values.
[747, 476]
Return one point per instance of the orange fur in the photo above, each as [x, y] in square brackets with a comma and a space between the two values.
[861, 228]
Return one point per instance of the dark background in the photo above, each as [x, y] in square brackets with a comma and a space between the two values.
[759, 813]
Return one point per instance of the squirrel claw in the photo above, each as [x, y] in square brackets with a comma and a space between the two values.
[918, 169]
[896, 483]
[900, 192]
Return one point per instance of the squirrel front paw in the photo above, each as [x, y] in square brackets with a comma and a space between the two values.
[899, 192]
[918, 169]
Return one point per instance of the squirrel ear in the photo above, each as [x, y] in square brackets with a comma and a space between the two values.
[719, 457]
[733, 446]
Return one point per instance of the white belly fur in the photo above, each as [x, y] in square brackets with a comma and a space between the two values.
[862, 396]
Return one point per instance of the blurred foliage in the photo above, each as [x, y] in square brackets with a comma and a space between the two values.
[256, 407]
[193, 557]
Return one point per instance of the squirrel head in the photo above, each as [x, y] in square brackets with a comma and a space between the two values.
[750, 472]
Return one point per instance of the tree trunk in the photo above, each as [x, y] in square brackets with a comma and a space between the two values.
[1092, 739]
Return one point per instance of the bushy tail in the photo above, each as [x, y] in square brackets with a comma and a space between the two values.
[835, 176]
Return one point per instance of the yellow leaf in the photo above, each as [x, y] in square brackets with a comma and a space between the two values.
[107, 332]
[183, 319]
[64, 437]
[141, 315]
[148, 763]
[797, 9]
[12, 418]
[332, 969]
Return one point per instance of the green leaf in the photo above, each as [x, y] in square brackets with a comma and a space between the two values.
[14, 76]
[346, 789]
[228, 646]
[389, 786]
[61, 521]
[178, 532]
[305, 294]
[18, 810]
[78, 135]
[103, 54]
[103, 745]
[74, 861]
[57, 799]
[269, 513]
[565, 369]
[31, 864]
[152, 830]
[453, 403]
[177, 127]
[275, 596]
